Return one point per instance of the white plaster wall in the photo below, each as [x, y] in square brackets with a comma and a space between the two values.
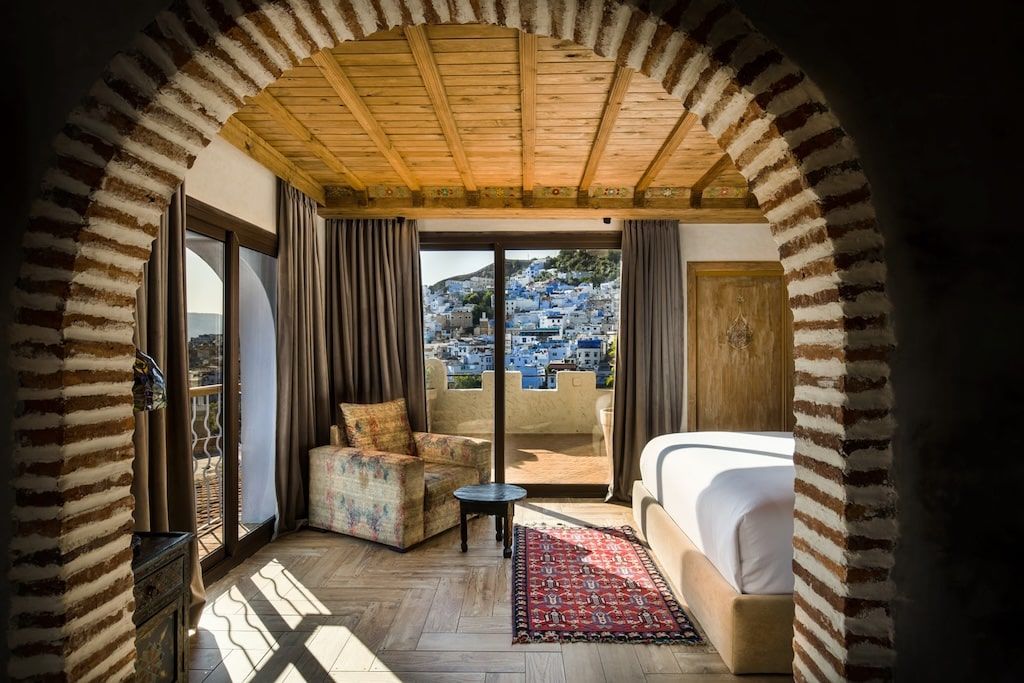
[225, 177]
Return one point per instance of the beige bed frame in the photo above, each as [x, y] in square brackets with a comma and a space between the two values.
[753, 633]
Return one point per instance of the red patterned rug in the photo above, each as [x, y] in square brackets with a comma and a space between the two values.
[593, 584]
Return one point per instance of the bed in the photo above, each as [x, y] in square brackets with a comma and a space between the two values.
[717, 510]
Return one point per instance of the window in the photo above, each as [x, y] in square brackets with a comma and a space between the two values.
[231, 292]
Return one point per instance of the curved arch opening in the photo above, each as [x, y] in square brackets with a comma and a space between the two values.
[128, 145]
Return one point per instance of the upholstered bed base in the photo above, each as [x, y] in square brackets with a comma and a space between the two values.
[753, 633]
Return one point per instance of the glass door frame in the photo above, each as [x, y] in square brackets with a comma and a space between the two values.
[234, 233]
[499, 243]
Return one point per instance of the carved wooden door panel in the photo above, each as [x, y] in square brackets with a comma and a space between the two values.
[740, 347]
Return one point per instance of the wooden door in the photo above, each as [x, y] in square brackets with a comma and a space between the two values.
[740, 347]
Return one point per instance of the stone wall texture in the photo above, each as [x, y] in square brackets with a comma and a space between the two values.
[129, 143]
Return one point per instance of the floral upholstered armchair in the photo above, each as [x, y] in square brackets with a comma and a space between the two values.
[383, 482]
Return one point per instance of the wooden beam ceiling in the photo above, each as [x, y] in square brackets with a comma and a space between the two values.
[528, 107]
[550, 129]
[341, 84]
[697, 189]
[668, 148]
[243, 137]
[620, 84]
[280, 113]
[427, 66]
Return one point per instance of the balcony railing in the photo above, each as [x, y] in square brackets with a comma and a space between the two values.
[207, 454]
[461, 403]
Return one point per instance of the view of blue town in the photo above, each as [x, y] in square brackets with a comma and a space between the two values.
[562, 311]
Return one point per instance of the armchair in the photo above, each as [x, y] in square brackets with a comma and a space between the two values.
[394, 499]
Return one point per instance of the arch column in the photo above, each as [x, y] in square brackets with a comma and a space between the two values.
[128, 145]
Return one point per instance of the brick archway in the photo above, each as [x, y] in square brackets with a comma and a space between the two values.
[130, 142]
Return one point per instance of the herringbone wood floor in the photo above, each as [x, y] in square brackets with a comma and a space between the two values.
[318, 607]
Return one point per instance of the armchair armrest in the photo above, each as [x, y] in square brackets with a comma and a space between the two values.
[370, 494]
[456, 450]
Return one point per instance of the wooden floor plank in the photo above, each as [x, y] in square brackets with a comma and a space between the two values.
[409, 620]
[479, 600]
[656, 659]
[318, 606]
[544, 667]
[505, 678]
[446, 609]
[494, 624]
[484, 662]
[620, 663]
[479, 642]
[360, 651]
[406, 677]
[582, 663]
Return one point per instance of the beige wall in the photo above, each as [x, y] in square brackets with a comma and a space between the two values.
[572, 408]
[228, 179]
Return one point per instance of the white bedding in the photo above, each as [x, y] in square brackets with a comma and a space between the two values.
[732, 494]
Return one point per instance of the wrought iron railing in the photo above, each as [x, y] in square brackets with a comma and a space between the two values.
[207, 454]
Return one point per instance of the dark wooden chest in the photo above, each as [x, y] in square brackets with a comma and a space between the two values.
[161, 563]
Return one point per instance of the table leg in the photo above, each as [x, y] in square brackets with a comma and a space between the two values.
[463, 530]
[507, 550]
[498, 523]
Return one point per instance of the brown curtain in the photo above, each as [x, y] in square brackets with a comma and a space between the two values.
[162, 484]
[303, 409]
[649, 352]
[375, 314]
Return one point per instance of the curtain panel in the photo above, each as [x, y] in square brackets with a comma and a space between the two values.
[162, 483]
[649, 360]
[375, 314]
[303, 408]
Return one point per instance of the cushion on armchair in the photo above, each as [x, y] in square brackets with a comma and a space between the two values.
[379, 426]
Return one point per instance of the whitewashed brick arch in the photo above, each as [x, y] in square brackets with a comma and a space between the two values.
[131, 140]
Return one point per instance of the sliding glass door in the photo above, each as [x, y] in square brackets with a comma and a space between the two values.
[562, 310]
[231, 291]
[205, 299]
[544, 308]
[459, 335]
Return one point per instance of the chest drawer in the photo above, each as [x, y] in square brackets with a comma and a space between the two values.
[168, 580]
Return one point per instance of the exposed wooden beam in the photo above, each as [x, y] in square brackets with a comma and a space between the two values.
[697, 190]
[545, 201]
[620, 84]
[337, 79]
[424, 58]
[245, 139]
[685, 214]
[528, 105]
[277, 111]
[668, 148]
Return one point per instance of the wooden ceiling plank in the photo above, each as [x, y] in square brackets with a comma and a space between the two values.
[668, 148]
[423, 56]
[697, 189]
[528, 105]
[343, 87]
[245, 139]
[269, 104]
[620, 84]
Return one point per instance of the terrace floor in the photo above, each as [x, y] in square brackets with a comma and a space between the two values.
[315, 606]
[555, 459]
